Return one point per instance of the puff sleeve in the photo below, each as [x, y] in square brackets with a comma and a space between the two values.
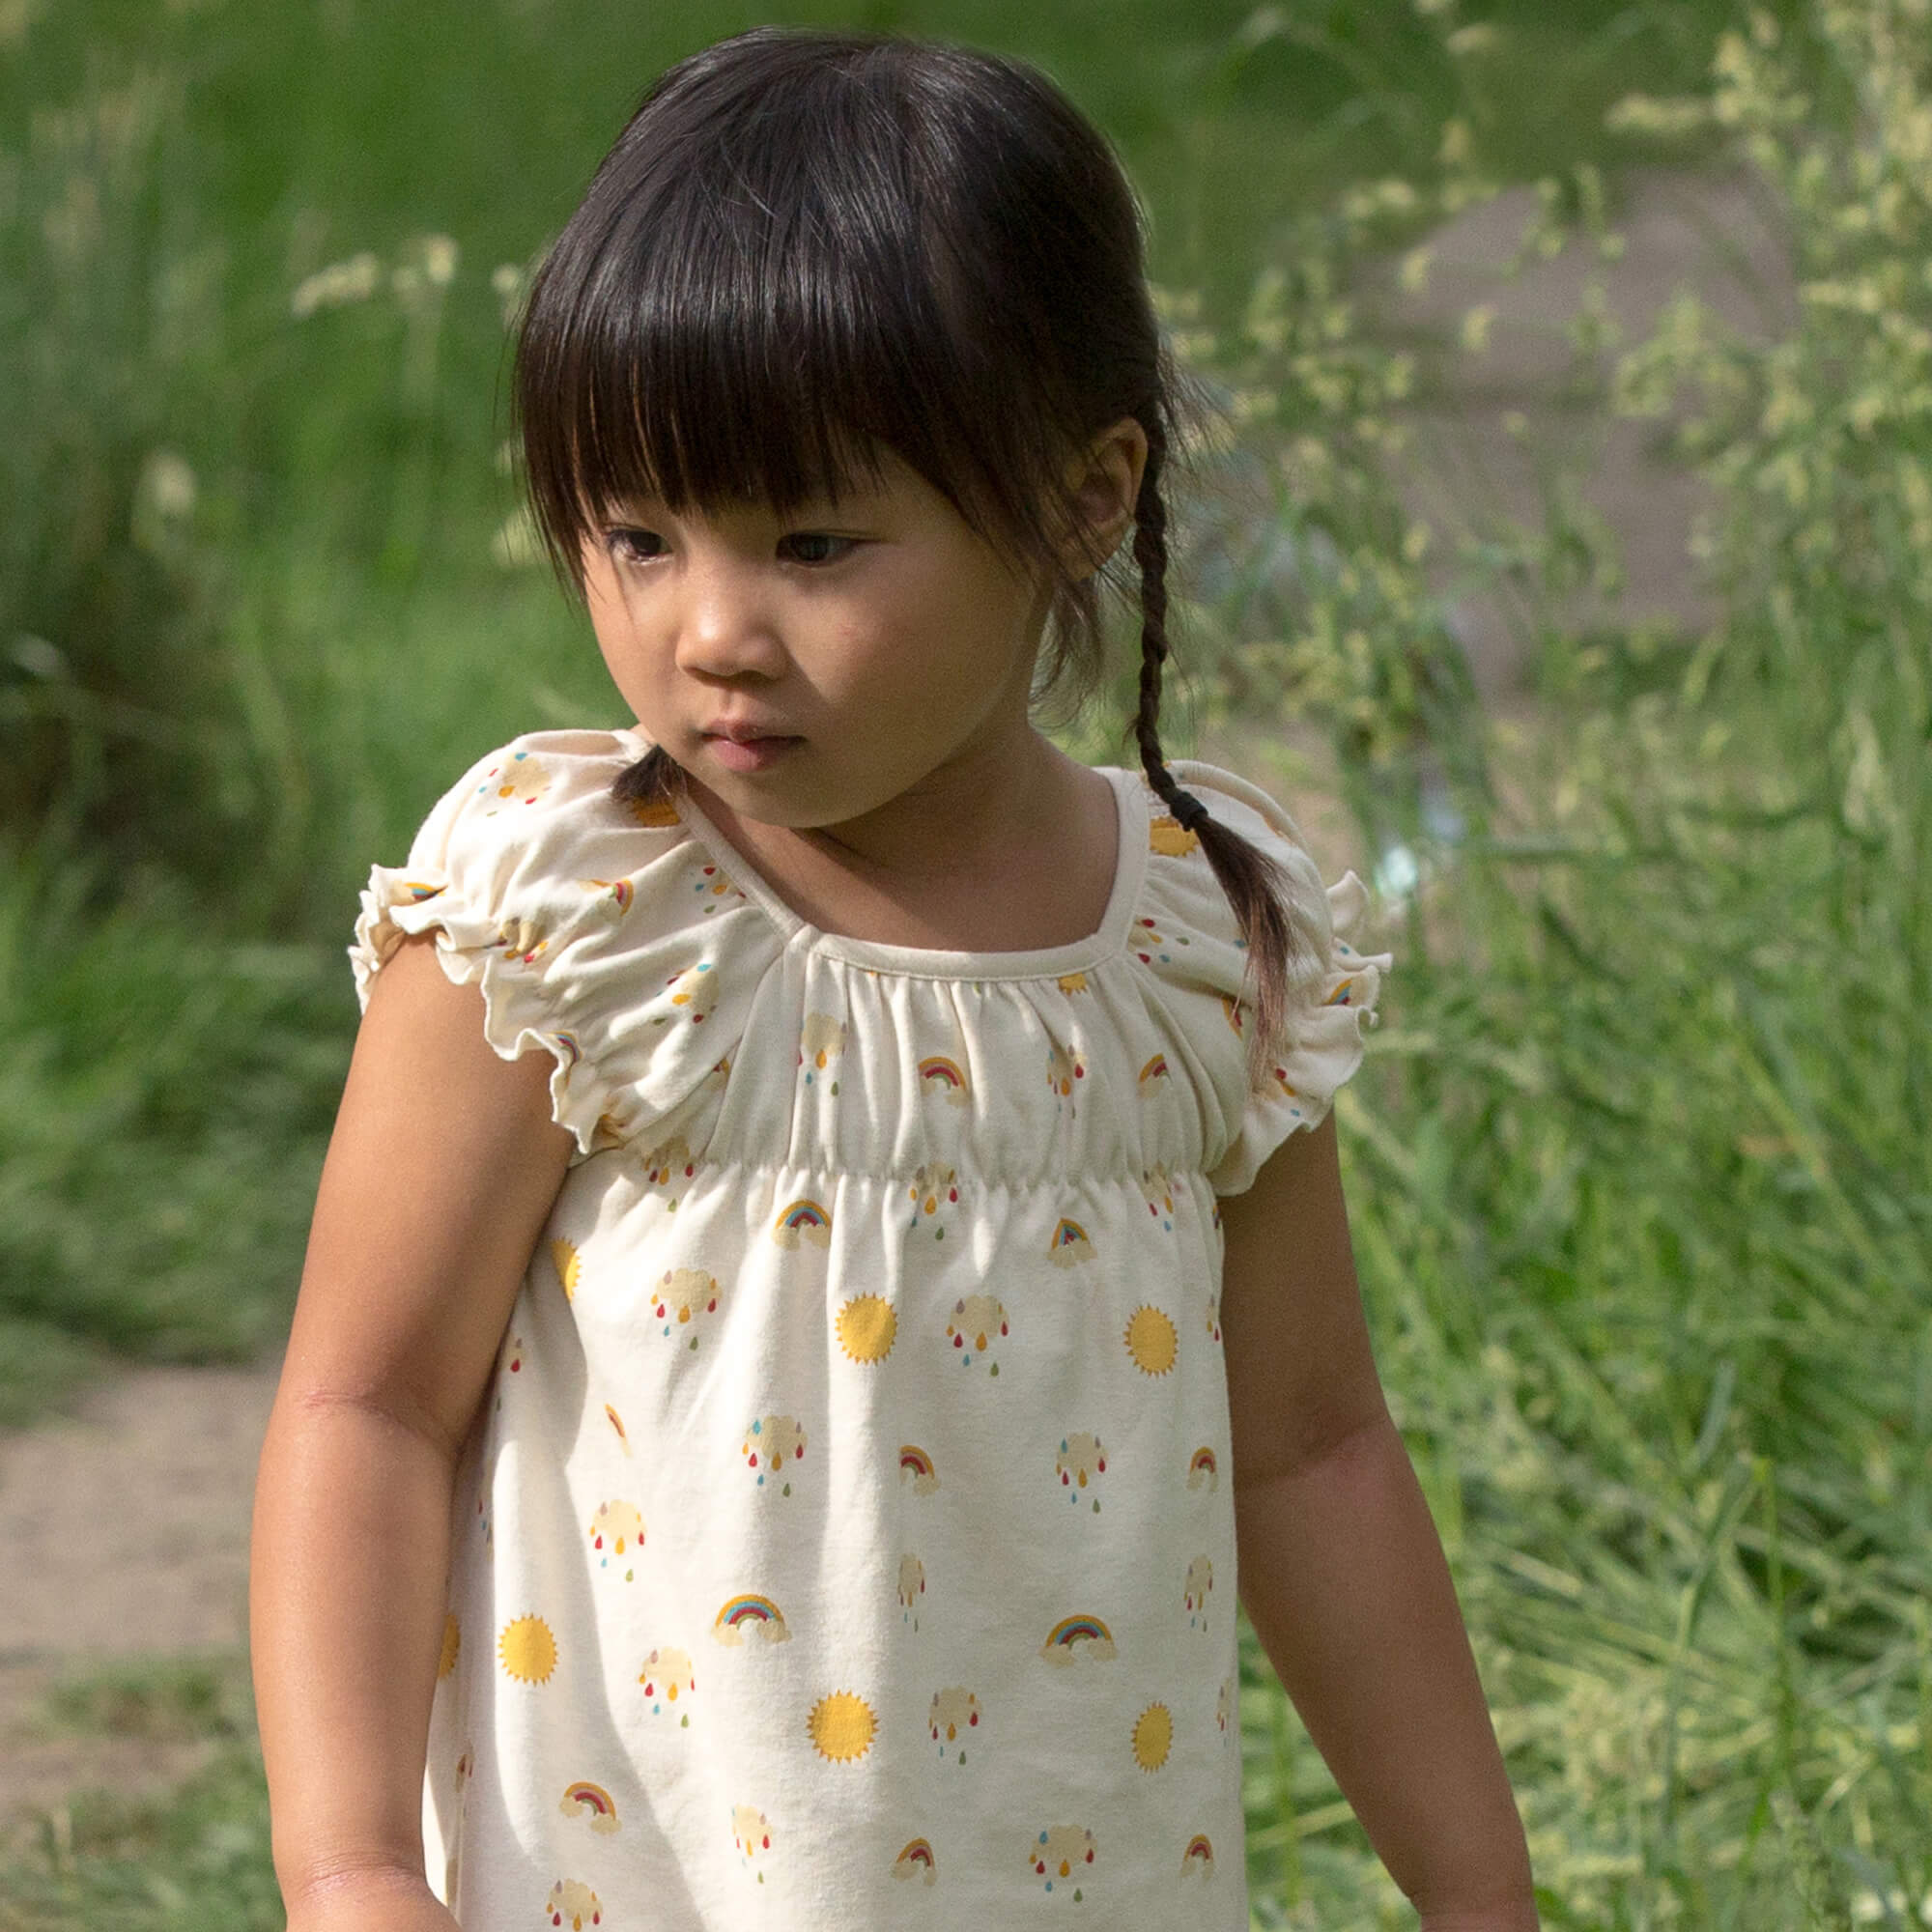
[1207, 980]
[594, 930]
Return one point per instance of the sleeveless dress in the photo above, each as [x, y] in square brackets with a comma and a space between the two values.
[847, 1536]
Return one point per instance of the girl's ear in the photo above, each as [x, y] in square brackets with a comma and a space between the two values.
[1103, 484]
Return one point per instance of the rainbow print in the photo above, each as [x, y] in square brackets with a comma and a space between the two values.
[1341, 994]
[803, 1220]
[418, 890]
[1202, 1469]
[943, 1073]
[586, 1800]
[1199, 1855]
[620, 890]
[917, 1861]
[915, 1462]
[1154, 1070]
[751, 1614]
[1077, 1636]
[1068, 1244]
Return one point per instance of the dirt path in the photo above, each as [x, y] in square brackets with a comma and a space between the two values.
[124, 1528]
[1472, 467]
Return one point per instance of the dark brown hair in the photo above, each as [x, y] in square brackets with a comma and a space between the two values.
[807, 247]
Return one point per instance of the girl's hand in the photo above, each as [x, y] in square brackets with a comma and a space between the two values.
[1519, 1917]
[376, 1902]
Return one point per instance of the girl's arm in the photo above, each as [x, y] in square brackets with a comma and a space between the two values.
[1340, 1570]
[440, 1173]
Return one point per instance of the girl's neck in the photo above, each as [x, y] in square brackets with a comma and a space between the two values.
[1000, 859]
[969, 818]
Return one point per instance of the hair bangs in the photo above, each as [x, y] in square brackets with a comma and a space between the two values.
[745, 329]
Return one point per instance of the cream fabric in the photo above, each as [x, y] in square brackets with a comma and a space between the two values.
[847, 1538]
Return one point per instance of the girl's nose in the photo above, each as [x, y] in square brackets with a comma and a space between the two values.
[725, 618]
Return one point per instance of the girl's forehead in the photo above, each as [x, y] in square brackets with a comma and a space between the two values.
[880, 478]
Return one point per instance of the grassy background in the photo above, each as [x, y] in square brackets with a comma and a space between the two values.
[1639, 1164]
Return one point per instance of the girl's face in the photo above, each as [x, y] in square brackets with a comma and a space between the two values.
[879, 632]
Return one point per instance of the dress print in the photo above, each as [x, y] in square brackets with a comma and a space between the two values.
[847, 1541]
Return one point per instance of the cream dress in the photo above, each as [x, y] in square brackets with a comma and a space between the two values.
[848, 1540]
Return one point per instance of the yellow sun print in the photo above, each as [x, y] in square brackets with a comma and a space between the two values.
[1153, 1736]
[527, 1649]
[843, 1726]
[867, 1327]
[1151, 1341]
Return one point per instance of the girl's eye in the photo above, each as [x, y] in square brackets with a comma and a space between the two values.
[633, 546]
[814, 547]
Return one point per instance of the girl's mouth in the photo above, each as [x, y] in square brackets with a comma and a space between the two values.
[753, 755]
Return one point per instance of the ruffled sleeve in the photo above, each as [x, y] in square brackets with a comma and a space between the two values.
[598, 931]
[1203, 964]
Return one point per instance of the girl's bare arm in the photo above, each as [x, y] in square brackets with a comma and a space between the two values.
[1342, 1572]
[441, 1171]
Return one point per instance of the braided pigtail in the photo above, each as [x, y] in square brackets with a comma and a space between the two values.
[656, 779]
[1282, 950]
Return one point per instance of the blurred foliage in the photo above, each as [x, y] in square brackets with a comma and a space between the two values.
[109, 687]
[161, 1098]
[160, 1700]
[1646, 1213]
[197, 1860]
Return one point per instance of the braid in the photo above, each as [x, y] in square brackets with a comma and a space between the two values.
[1257, 888]
[656, 779]
[1151, 554]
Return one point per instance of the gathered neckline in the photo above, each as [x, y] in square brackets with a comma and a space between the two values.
[1079, 956]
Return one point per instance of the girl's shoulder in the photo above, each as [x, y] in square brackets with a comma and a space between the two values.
[595, 926]
[546, 793]
[1184, 887]
[1191, 941]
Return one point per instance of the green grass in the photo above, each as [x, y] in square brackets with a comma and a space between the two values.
[195, 1857]
[160, 1700]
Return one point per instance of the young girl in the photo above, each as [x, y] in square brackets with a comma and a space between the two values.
[834, 1239]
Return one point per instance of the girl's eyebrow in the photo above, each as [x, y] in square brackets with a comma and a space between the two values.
[807, 513]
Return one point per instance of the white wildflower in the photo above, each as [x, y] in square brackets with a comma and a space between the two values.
[516, 545]
[340, 283]
[440, 256]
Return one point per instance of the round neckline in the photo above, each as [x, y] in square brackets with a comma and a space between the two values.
[1078, 955]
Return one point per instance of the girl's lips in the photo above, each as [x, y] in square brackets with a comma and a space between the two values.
[752, 756]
